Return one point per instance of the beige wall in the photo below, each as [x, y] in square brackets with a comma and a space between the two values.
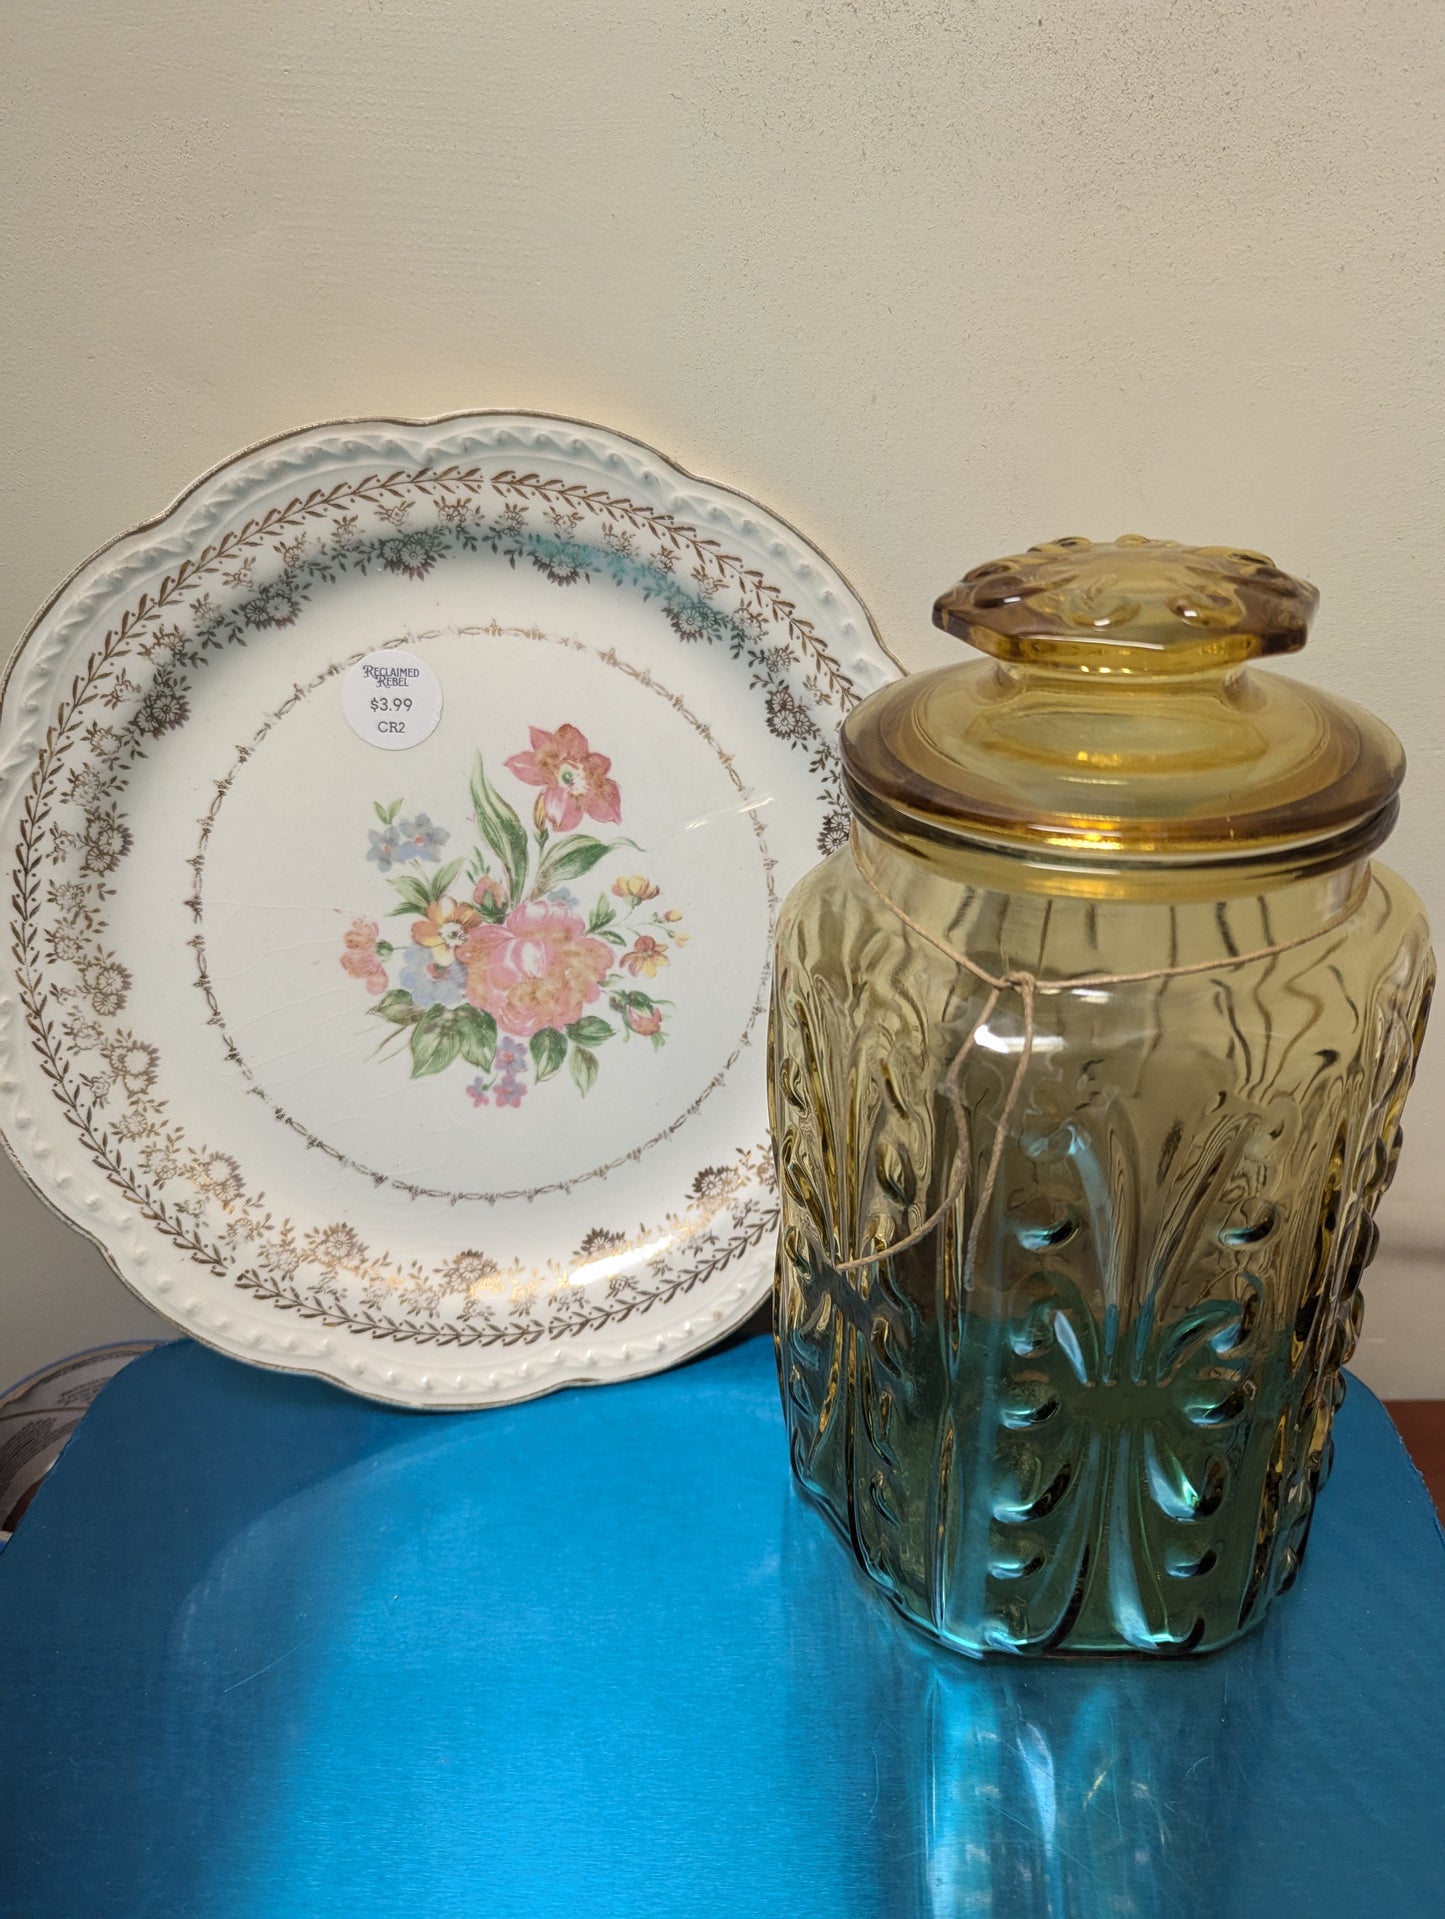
[932, 279]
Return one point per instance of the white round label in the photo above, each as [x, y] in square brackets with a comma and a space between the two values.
[392, 699]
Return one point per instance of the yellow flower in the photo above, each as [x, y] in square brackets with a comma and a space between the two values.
[635, 887]
[672, 914]
[647, 956]
[446, 925]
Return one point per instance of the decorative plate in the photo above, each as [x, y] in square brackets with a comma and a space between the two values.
[395, 832]
[39, 1415]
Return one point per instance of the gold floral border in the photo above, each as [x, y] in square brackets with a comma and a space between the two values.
[103, 683]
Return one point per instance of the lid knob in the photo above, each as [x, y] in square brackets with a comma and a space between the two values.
[1129, 606]
[1118, 724]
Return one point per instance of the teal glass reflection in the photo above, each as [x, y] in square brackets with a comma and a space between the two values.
[270, 1652]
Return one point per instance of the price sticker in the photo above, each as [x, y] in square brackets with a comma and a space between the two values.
[392, 699]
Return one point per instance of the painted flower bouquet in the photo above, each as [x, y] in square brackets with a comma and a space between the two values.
[509, 973]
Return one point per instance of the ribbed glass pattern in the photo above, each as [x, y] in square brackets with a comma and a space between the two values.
[1113, 1439]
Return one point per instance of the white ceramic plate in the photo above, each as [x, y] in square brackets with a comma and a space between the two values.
[437, 1069]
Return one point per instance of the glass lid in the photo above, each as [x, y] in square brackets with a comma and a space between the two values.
[1117, 717]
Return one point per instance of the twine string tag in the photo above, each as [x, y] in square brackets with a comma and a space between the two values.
[1028, 986]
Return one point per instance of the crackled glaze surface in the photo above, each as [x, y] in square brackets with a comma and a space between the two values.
[435, 1071]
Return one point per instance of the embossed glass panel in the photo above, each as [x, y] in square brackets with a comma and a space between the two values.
[1080, 1138]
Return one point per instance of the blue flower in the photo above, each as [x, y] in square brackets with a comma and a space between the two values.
[419, 839]
[511, 1056]
[426, 987]
[564, 896]
[385, 847]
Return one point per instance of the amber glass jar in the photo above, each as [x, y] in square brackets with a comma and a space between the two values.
[1088, 1061]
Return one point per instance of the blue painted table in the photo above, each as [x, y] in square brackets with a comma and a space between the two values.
[268, 1651]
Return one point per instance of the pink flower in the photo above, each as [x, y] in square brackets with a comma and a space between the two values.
[646, 1020]
[486, 892]
[361, 959]
[573, 778]
[538, 968]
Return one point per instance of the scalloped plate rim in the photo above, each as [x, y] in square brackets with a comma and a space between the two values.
[534, 1376]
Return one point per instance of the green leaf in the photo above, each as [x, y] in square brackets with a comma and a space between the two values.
[590, 1031]
[412, 893]
[442, 878]
[602, 914]
[612, 939]
[398, 1006]
[569, 859]
[476, 1033]
[584, 1069]
[549, 1049]
[386, 814]
[435, 1042]
[501, 829]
